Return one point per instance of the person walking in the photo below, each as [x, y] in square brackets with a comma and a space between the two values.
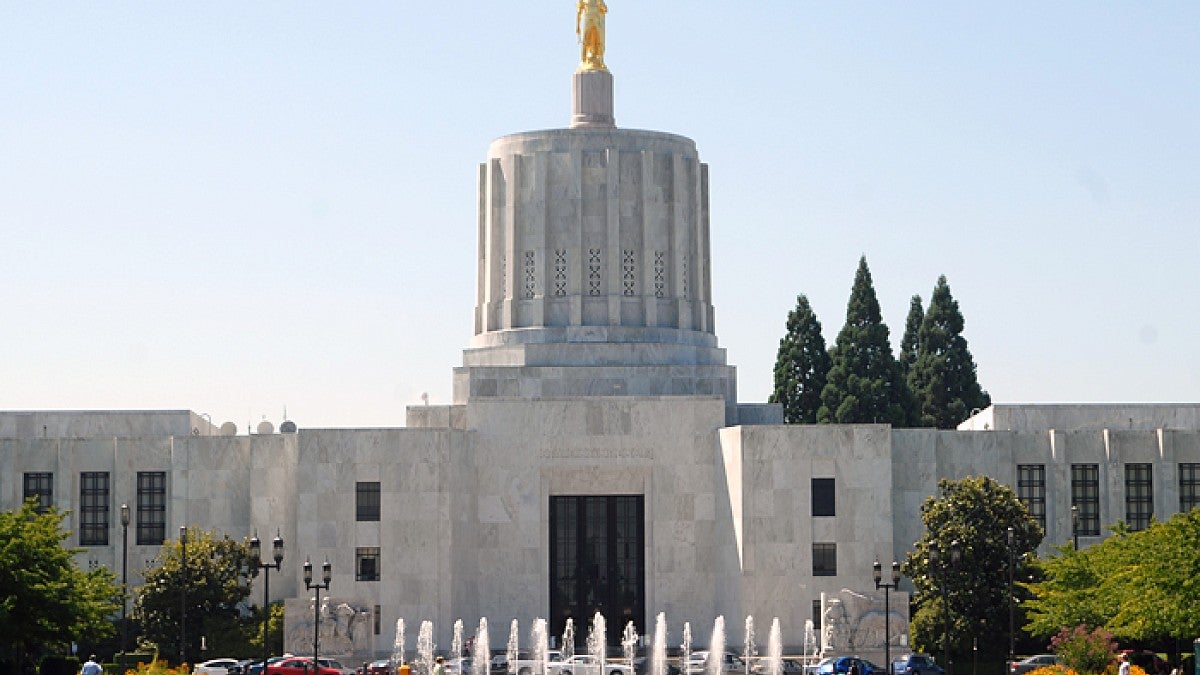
[440, 668]
[90, 667]
[1124, 669]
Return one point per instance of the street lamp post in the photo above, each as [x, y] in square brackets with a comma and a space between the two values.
[934, 560]
[887, 610]
[1075, 524]
[326, 575]
[124, 581]
[1012, 636]
[257, 564]
[183, 594]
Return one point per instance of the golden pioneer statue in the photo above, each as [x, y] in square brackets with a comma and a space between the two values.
[589, 26]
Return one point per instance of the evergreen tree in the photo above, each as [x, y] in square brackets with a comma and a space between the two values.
[943, 378]
[801, 366]
[912, 329]
[865, 384]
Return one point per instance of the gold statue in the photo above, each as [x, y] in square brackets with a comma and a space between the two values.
[589, 26]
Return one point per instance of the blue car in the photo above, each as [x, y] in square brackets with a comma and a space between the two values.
[916, 664]
[840, 665]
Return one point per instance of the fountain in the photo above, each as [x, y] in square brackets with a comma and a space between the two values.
[398, 645]
[749, 649]
[539, 635]
[481, 652]
[686, 648]
[425, 648]
[658, 655]
[568, 640]
[774, 649]
[716, 648]
[456, 643]
[629, 643]
[598, 642]
[810, 641]
[511, 653]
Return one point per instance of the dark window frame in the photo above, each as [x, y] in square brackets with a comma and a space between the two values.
[1189, 486]
[362, 556]
[151, 508]
[39, 485]
[1085, 494]
[94, 491]
[824, 497]
[1139, 495]
[367, 504]
[824, 559]
[1031, 490]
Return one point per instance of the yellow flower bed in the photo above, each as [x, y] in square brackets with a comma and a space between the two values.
[1063, 670]
[158, 667]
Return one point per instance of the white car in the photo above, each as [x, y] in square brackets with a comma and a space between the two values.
[586, 664]
[214, 667]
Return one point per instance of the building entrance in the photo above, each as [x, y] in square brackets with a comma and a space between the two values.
[597, 563]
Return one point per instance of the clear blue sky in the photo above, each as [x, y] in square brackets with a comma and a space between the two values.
[234, 207]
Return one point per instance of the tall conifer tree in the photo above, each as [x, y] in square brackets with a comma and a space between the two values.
[912, 330]
[943, 378]
[801, 366]
[865, 384]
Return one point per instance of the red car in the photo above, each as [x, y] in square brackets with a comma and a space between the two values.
[298, 665]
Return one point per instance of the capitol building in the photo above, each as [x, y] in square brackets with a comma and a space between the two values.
[595, 456]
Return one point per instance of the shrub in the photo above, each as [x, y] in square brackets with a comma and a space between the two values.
[1087, 652]
[59, 665]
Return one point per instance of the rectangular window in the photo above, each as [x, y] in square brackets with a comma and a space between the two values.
[824, 560]
[366, 563]
[1189, 486]
[93, 508]
[151, 507]
[823, 502]
[378, 619]
[1139, 496]
[366, 501]
[40, 486]
[1031, 490]
[1085, 496]
[816, 615]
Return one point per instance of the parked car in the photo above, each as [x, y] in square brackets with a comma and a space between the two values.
[836, 665]
[301, 665]
[215, 667]
[586, 664]
[916, 664]
[1147, 661]
[335, 665]
[1033, 662]
[525, 664]
[380, 667]
[697, 663]
[459, 666]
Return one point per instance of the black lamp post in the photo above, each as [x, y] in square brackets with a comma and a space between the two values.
[1012, 636]
[887, 609]
[1075, 524]
[257, 564]
[183, 594]
[326, 575]
[124, 580]
[934, 559]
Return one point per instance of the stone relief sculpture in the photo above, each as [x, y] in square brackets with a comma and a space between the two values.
[589, 26]
[345, 630]
[856, 622]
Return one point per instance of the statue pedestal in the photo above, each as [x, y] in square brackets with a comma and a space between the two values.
[592, 100]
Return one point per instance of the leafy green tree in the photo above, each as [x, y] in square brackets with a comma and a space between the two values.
[801, 366]
[217, 587]
[943, 377]
[46, 601]
[912, 330]
[975, 513]
[1138, 585]
[865, 384]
